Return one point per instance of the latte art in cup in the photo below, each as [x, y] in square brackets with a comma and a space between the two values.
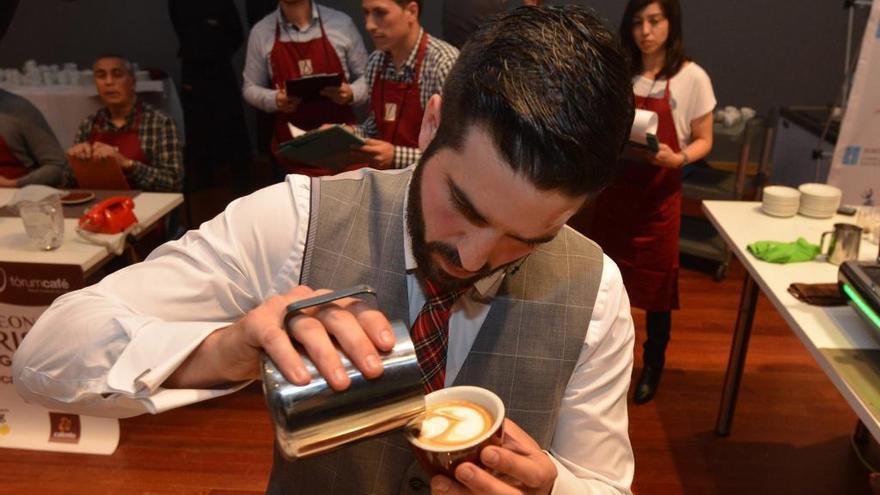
[454, 423]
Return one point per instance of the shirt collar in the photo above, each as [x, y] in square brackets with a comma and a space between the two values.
[413, 54]
[104, 115]
[315, 16]
[486, 288]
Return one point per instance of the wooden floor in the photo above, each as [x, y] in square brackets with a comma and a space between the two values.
[790, 434]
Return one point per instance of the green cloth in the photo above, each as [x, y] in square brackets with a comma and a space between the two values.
[784, 252]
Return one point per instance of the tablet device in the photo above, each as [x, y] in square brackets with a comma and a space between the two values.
[328, 148]
[99, 174]
[309, 87]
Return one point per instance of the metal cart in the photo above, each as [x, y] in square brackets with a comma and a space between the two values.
[735, 168]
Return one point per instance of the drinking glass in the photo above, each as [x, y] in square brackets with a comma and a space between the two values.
[868, 218]
[43, 222]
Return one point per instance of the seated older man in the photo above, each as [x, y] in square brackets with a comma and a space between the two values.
[143, 141]
[29, 151]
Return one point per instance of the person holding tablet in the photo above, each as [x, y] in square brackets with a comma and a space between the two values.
[637, 220]
[301, 39]
[407, 68]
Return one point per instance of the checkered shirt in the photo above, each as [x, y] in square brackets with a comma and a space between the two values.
[159, 140]
[439, 58]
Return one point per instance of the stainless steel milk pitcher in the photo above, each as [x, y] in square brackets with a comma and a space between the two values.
[314, 418]
[844, 245]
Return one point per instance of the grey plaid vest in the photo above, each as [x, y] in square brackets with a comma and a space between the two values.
[525, 352]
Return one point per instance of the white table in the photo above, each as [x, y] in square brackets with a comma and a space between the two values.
[66, 106]
[149, 208]
[818, 328]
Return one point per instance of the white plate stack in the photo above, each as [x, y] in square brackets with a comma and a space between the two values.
[781, 201]
[819, 200]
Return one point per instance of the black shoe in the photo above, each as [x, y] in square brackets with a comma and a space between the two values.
[646, 388]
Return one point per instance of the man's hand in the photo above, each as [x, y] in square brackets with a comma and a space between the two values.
[520, 467]
[343, 95]
[102, 151]
[232, 354]
[378, 153]
[81, 151]
[4, 182]
[665, 157]
[286, 104]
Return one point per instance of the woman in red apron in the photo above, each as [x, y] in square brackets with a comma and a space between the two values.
[637, 219]
[292, 60]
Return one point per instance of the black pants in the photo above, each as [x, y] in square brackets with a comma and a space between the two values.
[659, 325]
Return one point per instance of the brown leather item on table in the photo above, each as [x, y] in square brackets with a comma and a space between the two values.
[818, 294]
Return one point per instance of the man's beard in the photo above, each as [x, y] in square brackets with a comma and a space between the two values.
[424, 251]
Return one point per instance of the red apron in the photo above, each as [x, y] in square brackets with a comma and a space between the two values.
[128, 142]
[397, 106]
[292, 60]
[637, 220]
[10, 166]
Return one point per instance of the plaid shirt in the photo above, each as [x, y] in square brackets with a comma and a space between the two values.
[439, 58]
[159, 140]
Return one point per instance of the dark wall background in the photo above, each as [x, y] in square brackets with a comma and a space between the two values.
[758, 53]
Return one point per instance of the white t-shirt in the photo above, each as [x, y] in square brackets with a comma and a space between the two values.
[691, 96]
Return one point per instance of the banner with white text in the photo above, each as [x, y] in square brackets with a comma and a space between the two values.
[855, 167]
[26, 290]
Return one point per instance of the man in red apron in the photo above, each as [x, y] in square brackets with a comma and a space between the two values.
[300, 39]
[29, 151]
[143, 141]
[408, 66]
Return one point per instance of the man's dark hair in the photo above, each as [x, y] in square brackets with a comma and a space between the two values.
[675, 54]
[552, 88]
[404, 3]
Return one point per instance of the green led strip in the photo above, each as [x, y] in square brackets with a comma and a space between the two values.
[862, 305]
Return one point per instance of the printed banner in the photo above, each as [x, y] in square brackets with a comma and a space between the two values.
[855, 167]
[26, 290]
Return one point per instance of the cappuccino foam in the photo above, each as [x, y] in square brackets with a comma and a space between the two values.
[453, 423]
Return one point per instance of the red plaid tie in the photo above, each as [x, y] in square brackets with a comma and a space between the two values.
[430, 335]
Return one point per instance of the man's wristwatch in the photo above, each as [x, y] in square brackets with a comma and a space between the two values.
[684, 158]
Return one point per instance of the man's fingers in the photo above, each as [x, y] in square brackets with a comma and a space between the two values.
[477, 480]
[376, 325]
[518, 468]
[352, 338]
[517, 440]
[312, 335]
[278, 346]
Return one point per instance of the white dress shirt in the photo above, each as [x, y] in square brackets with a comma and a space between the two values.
[106, 349]
[258, 89]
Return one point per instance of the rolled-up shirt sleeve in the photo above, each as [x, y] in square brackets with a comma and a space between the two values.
[105, 350]
[591, 446]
